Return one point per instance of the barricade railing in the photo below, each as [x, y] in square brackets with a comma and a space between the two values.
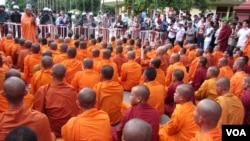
[86, 31]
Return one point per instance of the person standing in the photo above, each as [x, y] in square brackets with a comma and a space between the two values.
[15, 17]
[3, 18]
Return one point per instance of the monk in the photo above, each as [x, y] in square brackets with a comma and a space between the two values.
[246, 66]
[191, 53]
[224, 34]
[96, 58]
[23, 53]
[18, 114]
[140, 109]
[246, 100]
[63, 54]
[161, 53]
[107, 61]
[43, 76]
[194, 63]
[28, 24]
[160, 75]
[229, 55]
[22, 133]
[200, 74]
[92, 45]
[184, 59]
[225, 69]
[237, 78]
[137, 130]
[28, 99]
[3, 69]
[208, 88]
[206, 116]
[181, 126]
[175, 64]
[8, 45]
[15, 51]
[82, 53]
[217, 54]
[91, 124]
[210, 58]
[30, 61]
[53, 49]
[130, 72]
[169, 105]
[109, 95]
[44, 44]
[119, 58]
[87, 77]
[57, 100]
[72, 65]
[177, 47]
[232, 108]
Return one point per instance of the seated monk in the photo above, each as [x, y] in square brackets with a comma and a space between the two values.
[96, 59]
[22, 54]
[246, 66]
[232, 107]
[137, 130]
[225, 69]
[208, 88]
[53, 49]
[20, 115]
[119, 58]
[217, 54]
[191, 52]
[38, 67]
[246, 100]
[229, 55]
[130, 72]
[82, 52]
[140, 109]
[109, 95]
[210, 58]
[28, 99]
[206, 116]
[42, 76]
[63, 54]
[87, 77]
[57, 100]
[92, 45]
[181, 126]
[177, 79]
[157, 91]
[22, 133]
[194, 64]
[184, 59]
[237, 78]
[107, 61]
[72, 65]
[161, 53]
[8, 45]
[200, 74]
[14, 50]
[3, 69]
[91, 124]
[30, 61]
[44, 44]
[177, 47]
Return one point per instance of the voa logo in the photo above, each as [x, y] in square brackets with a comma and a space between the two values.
[236, 132]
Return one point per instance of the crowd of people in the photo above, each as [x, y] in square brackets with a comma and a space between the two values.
[71, 88]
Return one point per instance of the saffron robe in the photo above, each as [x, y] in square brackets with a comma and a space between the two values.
[199, 77]
[119, 59]
[245, 99]
[226, 71]
[29, 29]
[214, 134]
[72, 67]
[60, 58]
[29, 62]
[236, 83]
[207, 90]
[172, 68]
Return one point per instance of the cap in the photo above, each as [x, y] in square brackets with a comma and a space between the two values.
[28, 6]
[77, 13]
[83, 13]
[49, 9]
[90, 14]
[15, 7]
[45, 9]
[181, 22]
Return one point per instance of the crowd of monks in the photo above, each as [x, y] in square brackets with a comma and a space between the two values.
[72, 89]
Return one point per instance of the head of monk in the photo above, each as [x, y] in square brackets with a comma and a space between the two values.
[238, 65]
[53, 46]
[58, 72]
[14, 91]
[83, 45]
[207, 114]
[183, 93]
[21, 133]
[149, 74]
[88, 63]
[139, 95]
[119, 50]
[222, 86]
[86, 98]
[46, 53]
[137, 130]
[35, 48]
[63, 48]
[202, 62]
[131, 55]
[199, 52]
[107, 72]
[47, 62]
[213, 72]
[178, 75]
[222, 62]
[175, 57]
[12, 72]
[155, 63]
[106, 54]
[28, 44]
[71, 52]
[246, 83]
[95, 52]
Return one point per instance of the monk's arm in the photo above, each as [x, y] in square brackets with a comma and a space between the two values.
[168, 75]
[232, 85]
[39, 99]
[123, 73]
[201, 92]
[74, 81]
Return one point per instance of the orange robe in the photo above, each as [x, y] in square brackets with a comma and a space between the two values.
[130, 74]
[192, 68]
[3, 70]
[164, 62]
[20, 61]
[185, 60]
[210, 60]
[7, 47]
[119, 59]
[246, 49]
[60, 58]
[96, 61]
[217, 55]
[207, 90]
[44, 47]
[112, 64]
[29, 63]
[58, 101]
[232, 110]
[191, 54]
[176, 48]
[171, 69]
[90, 48]
[160, 77]
[226, 71]
[85, 78]
[214, 134]
[151, 53]
[109, 95]
[28, 29]
[54, 53]
[181, 126]
[39, 79]
[157, 95]
[72, 67]
[82, 54]
[92, 124]
[236, 82]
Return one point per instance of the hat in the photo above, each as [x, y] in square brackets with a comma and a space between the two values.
[77, 13]
[83, 13]
[28, 6]
[49, 9]
[181, 22]
[15, 7]
[45, 9]
[90, 14]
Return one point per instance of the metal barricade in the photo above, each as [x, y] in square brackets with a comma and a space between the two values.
[43, 29]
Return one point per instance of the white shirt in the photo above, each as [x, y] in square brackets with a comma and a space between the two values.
[172, 34]
[180, 33]
[209, 31]
[243, 34]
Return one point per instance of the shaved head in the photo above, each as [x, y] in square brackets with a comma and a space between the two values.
[35, 48]
[83, 45]
[27, 44]
[239, 64]
[141, 91]
[175, 57]
[214, 71]
[14, 89]
[88, 63]
[47, 62]
[46, 53]
[223, 62]
[137, 130]
[178, 74]
[161, 50]
[87, 98]
[53, 46]
[106, 54]
[185, 90]
[131, 55]
[155, 62]
[224, 84]
[58, 71]
[71, 52]
[21, 133]
[95, 52]
[107, 72]
[63, 48]
[119, 49]
[199, 52]
[12, 72]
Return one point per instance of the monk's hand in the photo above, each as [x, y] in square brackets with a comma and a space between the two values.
[33, 20]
